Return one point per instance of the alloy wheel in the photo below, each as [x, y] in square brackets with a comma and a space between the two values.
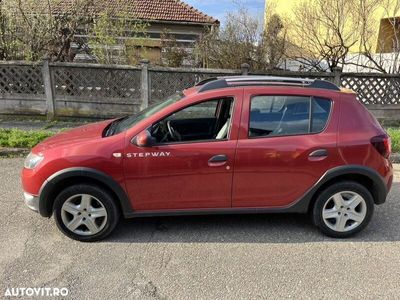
[344, 211]
[84, 214]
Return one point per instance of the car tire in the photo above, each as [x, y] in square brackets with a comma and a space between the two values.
[86, 213]
[343, 209]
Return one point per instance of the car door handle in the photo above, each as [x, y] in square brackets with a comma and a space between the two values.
[317, 155]
[218, 160]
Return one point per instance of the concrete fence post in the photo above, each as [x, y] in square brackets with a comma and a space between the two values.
[337, 72]
[145, 84]
[49, 91]
[245, 69]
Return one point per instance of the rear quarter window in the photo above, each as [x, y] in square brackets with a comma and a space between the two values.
[321, 109]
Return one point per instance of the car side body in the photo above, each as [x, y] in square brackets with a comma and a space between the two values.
[281, 173]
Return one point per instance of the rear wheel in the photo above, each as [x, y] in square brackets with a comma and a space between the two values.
[85, 213]
[343, 209]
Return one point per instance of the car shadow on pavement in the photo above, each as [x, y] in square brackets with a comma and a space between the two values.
[261, 228]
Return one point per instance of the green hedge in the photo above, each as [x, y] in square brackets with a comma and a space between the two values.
[17, 138]
[395, 136]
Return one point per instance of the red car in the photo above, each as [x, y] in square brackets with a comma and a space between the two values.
[228, 145]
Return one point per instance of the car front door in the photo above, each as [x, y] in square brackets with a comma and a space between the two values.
[287, 143]
[192, 169]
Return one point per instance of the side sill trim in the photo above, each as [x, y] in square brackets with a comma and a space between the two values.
[208, 211]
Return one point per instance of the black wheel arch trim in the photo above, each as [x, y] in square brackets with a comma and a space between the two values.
[300, 206]
[379, 189]
[46, 207]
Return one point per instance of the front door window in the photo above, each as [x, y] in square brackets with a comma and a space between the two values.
[206, 121]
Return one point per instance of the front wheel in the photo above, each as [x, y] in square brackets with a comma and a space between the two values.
[85, 213]
[343, 209]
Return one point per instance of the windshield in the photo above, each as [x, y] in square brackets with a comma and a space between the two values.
[128, 122]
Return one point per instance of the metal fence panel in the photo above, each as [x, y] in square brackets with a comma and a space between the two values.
[102, 91]
[164, 83]
[21, 88]
[21, 79]
[376, 89]
[91, 83]
[95, 91]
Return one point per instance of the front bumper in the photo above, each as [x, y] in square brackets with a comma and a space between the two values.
[31, 201]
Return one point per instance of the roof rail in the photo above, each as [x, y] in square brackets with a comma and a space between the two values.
[235, 81]
[204, 81]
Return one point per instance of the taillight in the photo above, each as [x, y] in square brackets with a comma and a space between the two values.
[382, 144]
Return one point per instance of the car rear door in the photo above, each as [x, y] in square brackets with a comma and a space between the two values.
[287, 142]
[186, 174]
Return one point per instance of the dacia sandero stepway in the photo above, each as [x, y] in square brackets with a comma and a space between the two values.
[228, 145]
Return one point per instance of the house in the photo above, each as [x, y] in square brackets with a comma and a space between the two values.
[381, 24]
[383, 30]
[184, 24]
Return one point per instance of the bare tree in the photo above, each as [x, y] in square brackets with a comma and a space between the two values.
[68, 25]
[231, 45]
[243, 40]
[378, 51]
[112, 34]
[173, 54]
[274, 42]
[327, 33]
[31, 29]
[25, 34]
[7, 39]
[324, 31]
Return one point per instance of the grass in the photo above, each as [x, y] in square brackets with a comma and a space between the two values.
[395, 136]
[17, 138]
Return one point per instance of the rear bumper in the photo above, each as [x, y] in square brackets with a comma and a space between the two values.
[31, 201]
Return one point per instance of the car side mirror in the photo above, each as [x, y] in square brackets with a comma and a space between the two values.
[144, 139]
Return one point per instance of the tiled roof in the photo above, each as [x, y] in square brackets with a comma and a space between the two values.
[150, 10]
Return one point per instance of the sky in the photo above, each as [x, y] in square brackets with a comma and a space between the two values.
[219, 8]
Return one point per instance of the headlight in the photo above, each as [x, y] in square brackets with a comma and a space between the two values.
[32, 160]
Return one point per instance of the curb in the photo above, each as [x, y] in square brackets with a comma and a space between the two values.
[13, 152]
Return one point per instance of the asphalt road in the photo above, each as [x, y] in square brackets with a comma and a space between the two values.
[214, 257]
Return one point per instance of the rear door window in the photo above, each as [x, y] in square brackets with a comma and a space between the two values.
[287, 115]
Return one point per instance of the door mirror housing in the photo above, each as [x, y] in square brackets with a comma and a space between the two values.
[144, 139]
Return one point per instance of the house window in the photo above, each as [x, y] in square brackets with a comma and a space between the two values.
[389, 35]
